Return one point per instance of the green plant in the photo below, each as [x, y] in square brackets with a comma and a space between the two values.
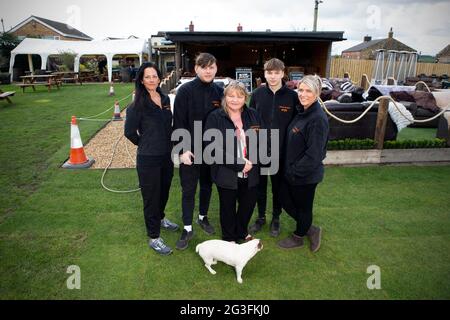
[67, 59]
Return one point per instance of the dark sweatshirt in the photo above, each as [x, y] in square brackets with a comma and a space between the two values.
[276, 111]
[225, 175]
[194, 102]
[306, 146]
[150, 127]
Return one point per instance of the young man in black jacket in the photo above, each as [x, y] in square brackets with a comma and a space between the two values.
[276, 107]
[194, 102]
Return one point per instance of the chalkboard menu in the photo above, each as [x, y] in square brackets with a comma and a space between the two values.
[244, 75]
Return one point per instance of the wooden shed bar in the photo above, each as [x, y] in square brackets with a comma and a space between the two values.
[307, 52]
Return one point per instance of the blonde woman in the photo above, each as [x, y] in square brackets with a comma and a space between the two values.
[306, 143]
[237, 181]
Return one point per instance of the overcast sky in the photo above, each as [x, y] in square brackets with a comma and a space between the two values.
[423, 25]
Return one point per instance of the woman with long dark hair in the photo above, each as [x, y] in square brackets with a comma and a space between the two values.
[149, 126]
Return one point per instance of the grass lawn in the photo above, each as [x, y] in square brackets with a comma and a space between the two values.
[397, 218]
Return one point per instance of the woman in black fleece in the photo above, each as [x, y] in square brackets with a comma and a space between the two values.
[306, 143]
[149, 126]
[234, 174]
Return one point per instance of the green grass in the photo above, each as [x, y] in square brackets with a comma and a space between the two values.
[417, 134]
[395, 217]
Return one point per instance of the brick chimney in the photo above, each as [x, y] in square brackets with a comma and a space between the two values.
[191, 27]
[367, 38]
[391, 34]
[239, 28]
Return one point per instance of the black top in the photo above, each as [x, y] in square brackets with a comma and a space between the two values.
[276, 110]
[225, 174]
[150, 127]
[306, 146]
[194, 102]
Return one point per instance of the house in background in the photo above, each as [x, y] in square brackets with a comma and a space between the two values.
[366, 50]
[444, 55]
[36, 27]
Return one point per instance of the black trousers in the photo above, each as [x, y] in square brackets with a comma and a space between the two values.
[298, 202]
[189, 177]
[234, 223]
[262, 194]
[155, 181]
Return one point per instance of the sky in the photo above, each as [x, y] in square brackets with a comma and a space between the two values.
[423, 25]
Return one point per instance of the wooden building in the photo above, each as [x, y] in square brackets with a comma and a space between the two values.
[308, 52]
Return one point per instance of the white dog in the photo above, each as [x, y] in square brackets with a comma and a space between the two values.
[236, 255]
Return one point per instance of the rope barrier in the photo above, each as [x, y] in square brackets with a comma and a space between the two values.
[90, 117]
[107, 167]
[372, 104]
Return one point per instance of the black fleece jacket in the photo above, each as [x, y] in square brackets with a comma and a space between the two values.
[225, 175]
[150, 127]
[276, 110]
[194, 102]
[306, 146]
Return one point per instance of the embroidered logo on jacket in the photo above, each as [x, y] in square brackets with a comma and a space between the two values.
[284, 108]
[295, 130]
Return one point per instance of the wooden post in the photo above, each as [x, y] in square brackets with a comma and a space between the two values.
[380, 128]
[364, 82]
[390, 81]
[346, 75]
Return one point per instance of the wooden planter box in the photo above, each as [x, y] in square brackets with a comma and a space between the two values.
[387, 156]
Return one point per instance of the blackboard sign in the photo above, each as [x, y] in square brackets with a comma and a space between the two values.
[244, 75]
[296, 75]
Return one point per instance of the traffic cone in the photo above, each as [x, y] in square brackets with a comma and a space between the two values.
[117, 116]
[111, 90]
[78, 159]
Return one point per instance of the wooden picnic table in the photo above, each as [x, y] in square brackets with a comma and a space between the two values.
[47, 80]
[68, 76]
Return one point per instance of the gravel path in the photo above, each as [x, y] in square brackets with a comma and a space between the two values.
[100, 147]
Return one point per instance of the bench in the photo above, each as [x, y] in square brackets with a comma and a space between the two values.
[25, 85]
[6, 95]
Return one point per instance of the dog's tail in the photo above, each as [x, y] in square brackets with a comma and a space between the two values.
[197, 247]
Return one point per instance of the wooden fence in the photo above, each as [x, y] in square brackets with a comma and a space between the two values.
[356, 68]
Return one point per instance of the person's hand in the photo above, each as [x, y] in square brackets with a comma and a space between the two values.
[185, 158]
[248, 166]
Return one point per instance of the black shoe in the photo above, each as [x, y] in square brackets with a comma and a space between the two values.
[184, 240]
[209, 229]
[257, 226]
[275, 227]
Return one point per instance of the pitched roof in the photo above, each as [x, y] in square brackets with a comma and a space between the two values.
[444, 52]
[62, 28]
[386, 43]
[363, 45]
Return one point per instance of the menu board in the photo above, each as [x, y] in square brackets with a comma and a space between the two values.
[244, 75]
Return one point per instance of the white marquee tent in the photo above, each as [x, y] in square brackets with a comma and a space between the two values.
[109, 48]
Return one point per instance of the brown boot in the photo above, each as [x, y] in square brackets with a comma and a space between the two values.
[314, 235]
[291, 242]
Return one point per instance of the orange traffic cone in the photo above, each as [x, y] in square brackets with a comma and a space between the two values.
[117, 116]
[78, 159]
[111, 90]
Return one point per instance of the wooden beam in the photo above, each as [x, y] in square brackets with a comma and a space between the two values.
[380, 128]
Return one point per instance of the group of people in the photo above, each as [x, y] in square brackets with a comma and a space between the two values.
[301, 145]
